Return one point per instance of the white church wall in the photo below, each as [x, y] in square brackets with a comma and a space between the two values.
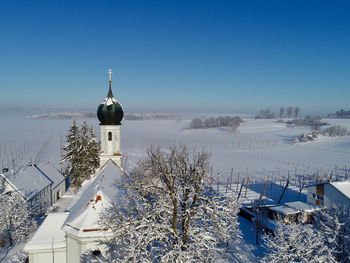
[110, 145]
[48, 256]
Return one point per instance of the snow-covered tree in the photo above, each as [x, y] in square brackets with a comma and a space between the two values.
[334, 224]
[71, 151]
[19, 257]
[289, 111]
[93, 150]
[281, 112]
[296, 111]
[81, 154]
[169, 214]
[296, 242]
[16, 222]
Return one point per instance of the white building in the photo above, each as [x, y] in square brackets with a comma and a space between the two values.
[39, 185]
[328, 193]
[80, 224]
[58, 187]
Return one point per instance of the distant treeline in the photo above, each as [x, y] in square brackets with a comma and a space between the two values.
[92, 115]
[290, 112]
[341, 114]
[315, 122]
[226, 121]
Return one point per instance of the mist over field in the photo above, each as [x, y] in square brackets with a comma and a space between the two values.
[259, 148]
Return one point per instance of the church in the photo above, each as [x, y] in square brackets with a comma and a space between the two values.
[65, 236]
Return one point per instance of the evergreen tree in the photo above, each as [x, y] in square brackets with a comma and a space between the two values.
[71, 152]
[93, 151]
[81, 153]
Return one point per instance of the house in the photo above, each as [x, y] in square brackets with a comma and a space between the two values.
[58, 187]
[79, 231]
[328, 193]
[39, 185]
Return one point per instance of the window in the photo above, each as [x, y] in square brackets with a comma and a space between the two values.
[109, 136]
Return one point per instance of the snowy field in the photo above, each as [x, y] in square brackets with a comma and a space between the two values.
[259, 149]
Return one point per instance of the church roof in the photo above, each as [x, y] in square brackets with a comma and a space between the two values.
[49, 235]
[95, 196]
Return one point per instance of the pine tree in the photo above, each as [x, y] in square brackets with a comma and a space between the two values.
[81, 153]
[16, 222]
[71, 152]
[93, 151]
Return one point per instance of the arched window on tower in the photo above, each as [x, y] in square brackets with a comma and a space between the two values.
[109, 136]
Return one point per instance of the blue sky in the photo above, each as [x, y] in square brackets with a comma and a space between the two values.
[218, 56]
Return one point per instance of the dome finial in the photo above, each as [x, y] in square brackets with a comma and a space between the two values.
[110, 93]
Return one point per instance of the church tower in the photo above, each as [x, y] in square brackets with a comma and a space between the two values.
[110, 114]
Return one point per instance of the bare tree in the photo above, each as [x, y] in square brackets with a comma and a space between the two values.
[281, 112]
[170, 214]
[289, 111]
[296, 111]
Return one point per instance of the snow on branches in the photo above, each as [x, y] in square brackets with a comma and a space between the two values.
[296, 242]
[16, 222]
[169, 213]
[81, 153]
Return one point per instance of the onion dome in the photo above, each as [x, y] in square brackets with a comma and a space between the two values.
[110, 112]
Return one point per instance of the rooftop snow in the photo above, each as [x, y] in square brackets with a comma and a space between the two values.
[343, 187]
[301, 206]
[50, 171]
[284, 210]
[28, 181]
[85, 209]
[49, 235]
[109, 101]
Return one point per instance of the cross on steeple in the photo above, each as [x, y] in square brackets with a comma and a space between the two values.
[110, 74]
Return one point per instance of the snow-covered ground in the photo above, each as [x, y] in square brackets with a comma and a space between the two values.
[259, 148]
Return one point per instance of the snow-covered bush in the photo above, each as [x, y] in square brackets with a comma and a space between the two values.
[169, 214]
[310, 136]
[335, 130]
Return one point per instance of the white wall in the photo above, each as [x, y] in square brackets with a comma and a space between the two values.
[62, 188]
[110, 149]
[331, 196]
[48, 256]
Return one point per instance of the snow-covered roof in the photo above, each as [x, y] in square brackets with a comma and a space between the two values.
[301, 206]
[284, 210]
[50, 171]
[343, 187]
[29, 181]
[50, 234]
[95, 196]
